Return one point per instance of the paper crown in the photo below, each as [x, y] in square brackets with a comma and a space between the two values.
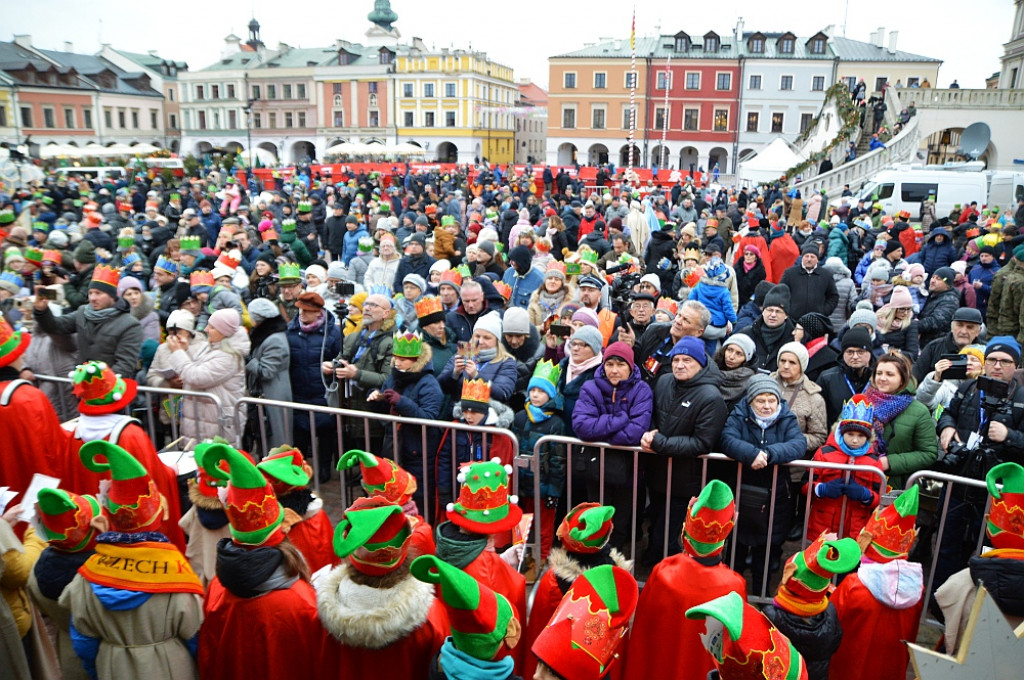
[806, 579]
[581, 639]
[285, 469]
[252, 508]
[478, 616]
[268, 235]
[100, 391]
[588, 256]
[503, 289]
[175, 197]
[289, 271]
[12, 343]
[105, 279]
[65, 518]
[545, 376]
[555, 266]
[668, 304]
[190, 243]
[748, 646]
[365, 244]
[129, 260]
[572, 268]
[709, 520]
[445, 219]
[226, 260]
[125, 242]
[1005, 525]
[11, 282]
[374, 535]
[693, 277]
[407, 345]
[463, 270]
[7, 216]
[587, 528]
[164, 264]
[484, 503]
[381, 476]
[429, 310]
[132, 501]
[34, 256]
[858, 415]
[201, 277]
[889, 533]
[691, 254]
[304, 207]
[477, 391]
[452, 277]
[287, 226]
[39, 225]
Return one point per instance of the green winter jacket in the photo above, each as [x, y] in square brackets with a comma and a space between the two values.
[912, 442]
[298, 247]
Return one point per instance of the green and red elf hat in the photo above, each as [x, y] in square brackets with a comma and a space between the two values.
[252, 508]
[374, 535]
[12, 343]
[710, 519]
[1005, 525]
[587, 528]
[382, 477]
[807, 576]
[889, 533]
[484, 505]
[286, 470]
[581, 640]
[744, 643]
[66, 517]
[101, 391]
[130, 497]
[478, 616]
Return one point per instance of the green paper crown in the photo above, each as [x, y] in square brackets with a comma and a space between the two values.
[175, 197]
[190, 243]
[366, 244]
[589, 256]
[287, 225]
[572, 269]
[289, 270]
[547, 371]
[463, 271]
[39, 225]
[407, 345]
[447, 219]
[48, 200]
[305, 207]
[125, 241]
[6, 216]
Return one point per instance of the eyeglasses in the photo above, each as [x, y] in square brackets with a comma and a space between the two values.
[577, 344]
[372, 305]
[1000, 362]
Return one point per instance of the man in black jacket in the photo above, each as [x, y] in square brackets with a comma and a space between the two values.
[943, 301]
[964, 330]
[812, 288]
[689, 414]
[773, 329]
[335, 228]
[851, 374]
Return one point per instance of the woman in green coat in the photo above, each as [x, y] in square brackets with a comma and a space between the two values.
[904, 428]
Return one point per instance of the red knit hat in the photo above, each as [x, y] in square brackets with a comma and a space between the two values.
[286, 470]
[130, 497]
[381, 476]
[374, 535]
[587, 528]
[66, 517]
[252, 507]
[889, 533]
[581, 639]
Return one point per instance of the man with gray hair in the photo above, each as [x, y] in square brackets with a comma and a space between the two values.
[652, 352]
[472, 307]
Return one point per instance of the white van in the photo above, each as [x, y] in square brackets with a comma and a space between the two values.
[1006, 190]
[907, 189]
[113, 173]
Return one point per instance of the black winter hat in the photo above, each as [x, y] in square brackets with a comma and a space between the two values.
[892, 245]
[760, 291]
[778, 296]
[815, 325]
[857, 337]
[521, 257]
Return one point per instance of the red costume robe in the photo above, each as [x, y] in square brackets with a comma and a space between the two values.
[782, 254]
[271, 636]
[663, 643]
[422, 540]
[33, 440]
[874, 631]
[313, 537]
[134, 440]
[759, 242]
[492, 571]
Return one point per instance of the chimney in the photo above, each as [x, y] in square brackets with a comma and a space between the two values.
[878, 37]
[892, 41]
[23, 40]
[829, 30]
[69, 46]
[739, 30]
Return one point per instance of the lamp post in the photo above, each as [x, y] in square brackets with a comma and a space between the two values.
[248, 131]
[487, 151]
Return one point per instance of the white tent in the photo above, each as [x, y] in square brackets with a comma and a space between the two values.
[769, 163]
[406, 149]
[59, 150]
[143, 148]
[266, 158]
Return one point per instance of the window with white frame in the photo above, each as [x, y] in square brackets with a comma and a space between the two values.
[569, 81]
[723, 82]
[693, 80]
[691, 119]
[754, 82]
[600, 80]
[407, 89]
[721, 120]
[786, 83]
[597, 117]
[818, 84]
[568, 117]
[664, 81]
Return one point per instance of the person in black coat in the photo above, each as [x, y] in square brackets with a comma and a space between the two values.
[938, 311]
[964, 330]
[850, 375]
[773, 328]
[335, 231]
[813, 331]
[812, 288]
[747, 279]
[660, 256]
[415, 261]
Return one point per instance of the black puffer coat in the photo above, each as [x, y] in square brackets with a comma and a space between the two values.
[1004, 580]
[816, 637]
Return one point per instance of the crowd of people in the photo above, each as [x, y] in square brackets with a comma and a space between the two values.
[672, 321]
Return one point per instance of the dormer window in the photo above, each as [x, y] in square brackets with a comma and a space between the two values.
[786, 44]
[682, 42]
[817, 43]
[711, 42]
[757, 44]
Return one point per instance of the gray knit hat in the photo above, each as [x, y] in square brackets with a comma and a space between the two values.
[864, 316]
[589, 335]
[760, 383]
[262, 309]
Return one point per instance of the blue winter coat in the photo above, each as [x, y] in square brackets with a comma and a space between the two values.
[412, 265]
[862, 268]
[502, 376]
[716, 297]
[350, 247]
[935, 255]
[522, 286]
[308, 351]
[570, 393]
[749, 313]
[212, 224]
[985, 275]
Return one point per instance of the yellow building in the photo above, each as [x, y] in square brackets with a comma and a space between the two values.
[8, 129]
[457, 105]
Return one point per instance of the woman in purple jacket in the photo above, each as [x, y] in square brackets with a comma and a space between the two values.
[615, 407]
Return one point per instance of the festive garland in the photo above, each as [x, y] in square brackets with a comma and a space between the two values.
[847, 112]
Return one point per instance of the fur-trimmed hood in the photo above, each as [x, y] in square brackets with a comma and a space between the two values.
[567, 566]
[498, 415]
[367, 617]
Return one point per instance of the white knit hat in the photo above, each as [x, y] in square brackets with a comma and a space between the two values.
[490, 322]
[797, 350]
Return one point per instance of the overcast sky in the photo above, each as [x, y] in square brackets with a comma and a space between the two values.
[967, 36]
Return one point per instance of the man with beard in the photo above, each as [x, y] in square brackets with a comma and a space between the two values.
[851, 375]
[963, 331]
[774, 329]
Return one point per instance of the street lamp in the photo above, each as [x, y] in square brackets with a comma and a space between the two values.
[248, 131]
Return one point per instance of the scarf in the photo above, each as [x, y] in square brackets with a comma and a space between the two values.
[149, 565]
[772, 336]
[461, 666]
[573, 369]
[456, 548]
[264, 330]
[93, 428]
[550, 302]
[747, 266]
[486, 355]
[99, 315]
[144, 309]
[855, 453]
[537, 415]
[887, 408]
[315, 326]
[765, 423]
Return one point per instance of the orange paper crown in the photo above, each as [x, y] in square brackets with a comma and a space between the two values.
[429, 310]
[106, 277]
[476, 390]
[504, 289]
[452, 277]
[225, 260]
[201, 277]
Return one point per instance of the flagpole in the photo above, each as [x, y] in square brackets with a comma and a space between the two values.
[632, 98]
[663, 156]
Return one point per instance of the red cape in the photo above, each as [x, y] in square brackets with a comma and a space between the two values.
[405, 659]
[260, 637]
[783, 254]
[663, 643]
[545, 601]
[33, 440]
[135, 441]
[422, 540]
[491, 570]
[761, 245]
[313, 537]
[873, 635]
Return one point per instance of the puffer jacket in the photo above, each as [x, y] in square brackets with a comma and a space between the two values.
[421, 398]
[540, 308]
[839, 244]
[963, 414]
[552, 455]
[937, 315]
[847, 290]
[905, 339]
[217, 369]
[412, 265]
[935, 255]
[469, 447]
[351, 243]
[816, 637]
[501, 374]
[307, 352]
[689, 416]
[714, 295]
[1004, 579]
[116, 340]
[825, 512]
[381, 272]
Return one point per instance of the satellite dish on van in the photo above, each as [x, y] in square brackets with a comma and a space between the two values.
[974, 140]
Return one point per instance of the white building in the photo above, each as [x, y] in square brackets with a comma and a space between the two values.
[1012, 72]
[163, 75]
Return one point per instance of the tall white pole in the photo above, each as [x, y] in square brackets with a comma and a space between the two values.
[663, 156]
[632, 96]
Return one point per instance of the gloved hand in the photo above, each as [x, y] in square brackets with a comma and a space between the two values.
[856, 492]
[832, 489]
[664, 264]
[551, 501]
[514, 555]
[390, 396]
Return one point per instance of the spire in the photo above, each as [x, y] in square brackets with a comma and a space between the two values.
[382, 14]
[254, 34]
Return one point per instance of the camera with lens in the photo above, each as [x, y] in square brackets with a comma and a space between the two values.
[263, 285]
[625, 277]
[344, 289]
[975, 462]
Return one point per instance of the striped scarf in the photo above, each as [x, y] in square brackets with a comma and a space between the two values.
[887, 408]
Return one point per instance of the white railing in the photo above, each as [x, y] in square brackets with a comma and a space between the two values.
[963, 99]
